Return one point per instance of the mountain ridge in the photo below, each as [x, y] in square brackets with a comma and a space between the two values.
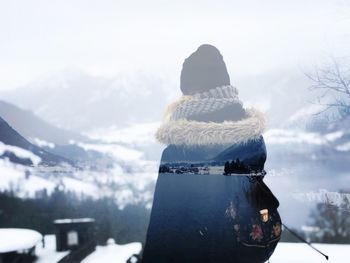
[9, 136]
[32, 127]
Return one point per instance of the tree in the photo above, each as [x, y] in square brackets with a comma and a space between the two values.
[164, 169]
[227, 168]
[333, 81]
[333, 221]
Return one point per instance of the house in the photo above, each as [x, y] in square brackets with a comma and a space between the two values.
[76, 235]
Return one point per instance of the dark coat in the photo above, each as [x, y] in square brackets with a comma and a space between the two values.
[212, 217]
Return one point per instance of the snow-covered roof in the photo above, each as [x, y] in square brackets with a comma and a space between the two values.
[14, 239]
[74, 220]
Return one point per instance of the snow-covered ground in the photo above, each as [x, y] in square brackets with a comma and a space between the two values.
[302, 253]
[48, 254]
[284, 253]
[113, 253]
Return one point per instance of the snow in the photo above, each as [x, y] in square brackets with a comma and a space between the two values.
[280, 136]
[323, 196]
[119, 152]
[344, 147]
[302, 253]
[13, 177]
[132, 174]
[284, 253]
[10, 174]
[334, 136]
[306, 112]
[113, 253]
[74, 220]
[129, 181]
[19, 152]
[15, 239]
[43, 143]
[262, 104]
[48, 254]
[125, 187]
[22, 239]
[139, 133]
[29, 186]
[283, 136]
[80, 187]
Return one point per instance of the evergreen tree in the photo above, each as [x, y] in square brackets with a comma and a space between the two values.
[227, 168]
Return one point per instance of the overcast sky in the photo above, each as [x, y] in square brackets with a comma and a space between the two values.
[106, 37]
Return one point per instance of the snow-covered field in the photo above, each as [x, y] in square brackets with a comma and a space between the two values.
[302, 253]
[107, 254]
[113, 253]
[48, 254]
[129, 181]
[284, 253]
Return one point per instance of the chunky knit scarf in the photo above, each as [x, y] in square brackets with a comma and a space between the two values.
[177, 128]
[205, 102]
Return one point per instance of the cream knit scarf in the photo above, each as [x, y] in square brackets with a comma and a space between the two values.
[208, 101]
[179, 130]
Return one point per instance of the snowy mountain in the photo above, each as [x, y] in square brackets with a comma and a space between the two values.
[10, 137]
[279, 93]
[323, 131]
[79, 101]
[35, 129]
[121, 113]
[111, 170]
[54, 140]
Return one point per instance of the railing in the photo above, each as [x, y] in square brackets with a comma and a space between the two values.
[78, 254]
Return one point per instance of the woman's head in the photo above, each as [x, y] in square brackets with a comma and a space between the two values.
[203, 70]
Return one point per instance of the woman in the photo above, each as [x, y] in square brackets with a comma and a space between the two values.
[210, 202]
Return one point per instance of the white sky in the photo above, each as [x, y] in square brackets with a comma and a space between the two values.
[110, 36]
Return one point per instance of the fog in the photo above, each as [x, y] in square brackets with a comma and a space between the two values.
[109, 37]
[97, 76]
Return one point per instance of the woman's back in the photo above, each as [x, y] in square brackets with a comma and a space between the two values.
[210, 202]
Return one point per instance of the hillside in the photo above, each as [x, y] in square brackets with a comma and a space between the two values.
[33, 127]
[9, 136]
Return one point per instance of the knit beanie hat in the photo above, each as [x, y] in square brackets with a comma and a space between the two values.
[203, 70]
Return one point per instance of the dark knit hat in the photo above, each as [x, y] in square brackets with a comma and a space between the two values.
[203, 70]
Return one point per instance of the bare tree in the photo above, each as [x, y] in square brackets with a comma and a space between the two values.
[333, 221]
[333, 81]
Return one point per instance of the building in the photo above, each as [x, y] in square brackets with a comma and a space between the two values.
[76, 235]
